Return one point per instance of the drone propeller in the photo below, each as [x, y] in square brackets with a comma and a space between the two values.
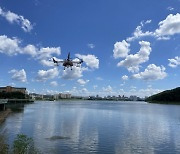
[81, 60]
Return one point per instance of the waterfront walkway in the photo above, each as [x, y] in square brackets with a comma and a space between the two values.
[2, 104]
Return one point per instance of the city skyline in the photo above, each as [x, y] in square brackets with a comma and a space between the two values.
[128, 47]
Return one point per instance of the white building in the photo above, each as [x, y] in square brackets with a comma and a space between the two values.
[62, 96]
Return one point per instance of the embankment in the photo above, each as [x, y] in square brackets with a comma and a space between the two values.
[4, 114]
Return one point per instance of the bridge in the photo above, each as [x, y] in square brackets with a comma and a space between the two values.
[2, 104]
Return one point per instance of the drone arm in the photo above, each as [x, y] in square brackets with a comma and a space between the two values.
[60, 61]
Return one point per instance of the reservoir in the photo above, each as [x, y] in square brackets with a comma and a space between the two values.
[102, 127]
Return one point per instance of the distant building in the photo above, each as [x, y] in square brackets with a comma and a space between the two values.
[35, 96]
[62, 96]
[48, 97]
[133, 98]
[12, 89]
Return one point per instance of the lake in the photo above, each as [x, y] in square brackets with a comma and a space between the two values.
[97, 127]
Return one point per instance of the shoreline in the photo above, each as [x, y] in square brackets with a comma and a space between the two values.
[4, 114]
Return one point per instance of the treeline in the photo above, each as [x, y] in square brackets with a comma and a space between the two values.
[166, 96]
[12, 95]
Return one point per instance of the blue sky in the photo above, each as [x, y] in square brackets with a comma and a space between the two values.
[129, 47]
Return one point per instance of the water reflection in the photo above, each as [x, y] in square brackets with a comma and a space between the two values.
[98, 127]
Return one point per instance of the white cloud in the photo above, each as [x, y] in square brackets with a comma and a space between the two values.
[48, 52]
[90, 45]
[174, 62]
[49, 74]
[138, 33]
[30, 49]
[152, 72]
[49, 92]
[76, 72]
[19, 19]
[54, 83]
[125, 77]
[169, 26]
[107, 89]
[82, 82]
[45, 62]
[148, 21]
[18, 75]
[9, 46]
[132, 62]
[79, 92]
[170, 8]
[91, 60]
[12, 46]
[121, 49]
[84, 90]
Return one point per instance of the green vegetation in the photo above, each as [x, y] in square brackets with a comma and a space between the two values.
[3, 146]
[12, 95]
[21, 145]
[166, 97]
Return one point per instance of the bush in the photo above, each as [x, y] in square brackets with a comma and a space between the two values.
[24, 145]
[21, 145]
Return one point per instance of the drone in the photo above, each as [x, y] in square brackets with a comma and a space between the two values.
[68, 62]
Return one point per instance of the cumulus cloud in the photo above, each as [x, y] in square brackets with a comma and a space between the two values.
[76, 72]
[48, 92]
[82, 82]
[18, 75]
[54, 83]
[121, 49]
[48, 52]
[174, 62]
[18, 19]
[132, 62]
[9, 46]
[138, 33]
[152, 72]
[167, 27]
[30, 50]
[80, 92]
[90, 45]
[49, 74]
[125, 77]
[91, 60]
[48, 63]
[108, 89]
[12, 46]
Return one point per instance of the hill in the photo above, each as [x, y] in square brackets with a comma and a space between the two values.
[166, 97]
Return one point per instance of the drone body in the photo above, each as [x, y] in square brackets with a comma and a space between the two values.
[68, 62]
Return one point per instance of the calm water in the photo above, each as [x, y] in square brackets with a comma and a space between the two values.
[98, 127]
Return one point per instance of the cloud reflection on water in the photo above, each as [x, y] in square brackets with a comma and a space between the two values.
[99, 127]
